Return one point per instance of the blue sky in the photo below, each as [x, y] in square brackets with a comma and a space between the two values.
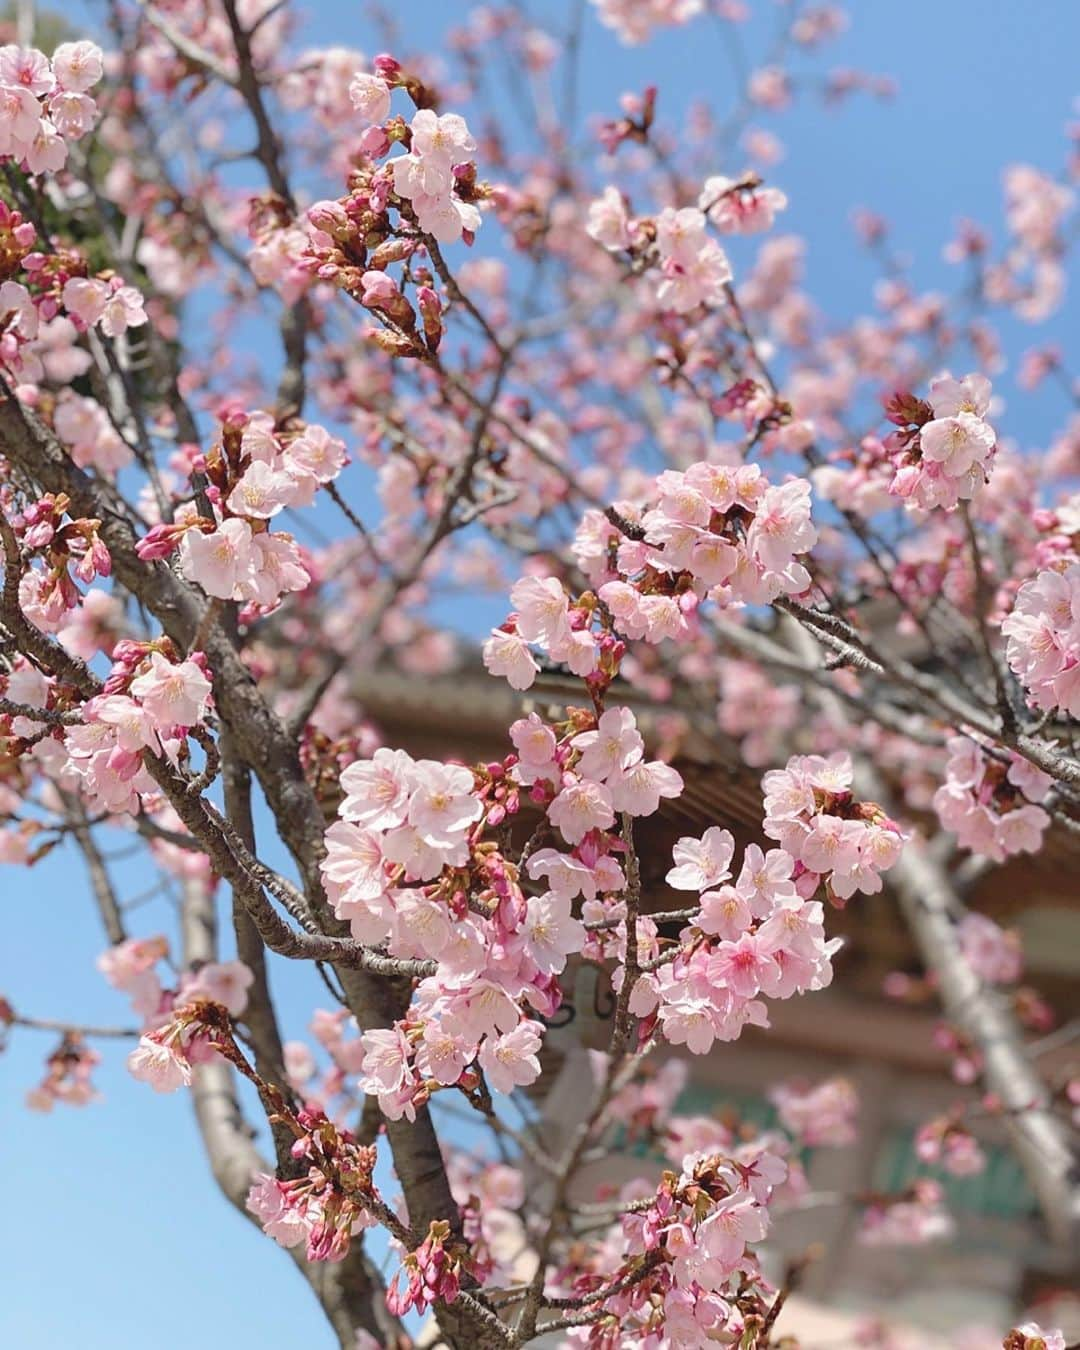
[113, 1235]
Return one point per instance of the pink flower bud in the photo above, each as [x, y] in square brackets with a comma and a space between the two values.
[387, 67]
[374, 141]
[159, 543]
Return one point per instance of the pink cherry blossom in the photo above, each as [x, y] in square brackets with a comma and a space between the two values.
[637, 790]
[86, 299]
[510, 1060]
[508, 655]
[78, 66]
[534, 741]
[738, 965]
[224, 982]
[442, 803]
[581, 807]
[724, 913]
[735, 208]
[819, 1116]
[701, 864]
[444, 1055]
[377, 790]
[608, 222]
[159, 1065]
[386, 1059]
[220, 560]
[542, 610]
[615, 745]
[176, 695]
[551, 932]
[370, 96]
[123, 310]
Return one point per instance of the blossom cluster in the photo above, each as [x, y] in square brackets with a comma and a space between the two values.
[352, 243]
[989, 801]
[401, 866]
[185, 1033]
[821, 1115]
[326, 1205]
[994, 953]
[694, 269]
[691, 267]
[61, 550]
[947, 1143]
[113, 306]
[634, 20]
[917, 1217]
[44, 104]
[41, 318]
[49, 294]
[1043, 632]
[397, 812]
[150, 702]
[944, 446]
[1031, 277]
[408, 865]
[129, 967]
[409, 868]
[858, 480]
[488, 1195]
[831, 837]
[257, 471]
[680, 1257]
[597, 775]
[740, 206]
[433, 185]
[67, 1078]
[756, 937]
[716, 533]
[490, 1199]
[695, 1281]
[92, 441]
[433, 1271]
[758, 712]
[331, 1092]
[440, 153]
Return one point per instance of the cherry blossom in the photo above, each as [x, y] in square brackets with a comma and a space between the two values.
[821, 1116]
[278, 456]
[426, 177]
[944, 448]
[989, 803]
[634, 22]
[810, 810]
[510, 1060]
[701, 864]
[175, 695]
[1043, 634]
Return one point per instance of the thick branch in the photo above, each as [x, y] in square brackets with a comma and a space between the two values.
[1040, 1139]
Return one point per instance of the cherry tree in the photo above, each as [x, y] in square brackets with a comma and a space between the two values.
[520, 358]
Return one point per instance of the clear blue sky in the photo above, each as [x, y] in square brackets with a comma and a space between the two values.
[113, 1235]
